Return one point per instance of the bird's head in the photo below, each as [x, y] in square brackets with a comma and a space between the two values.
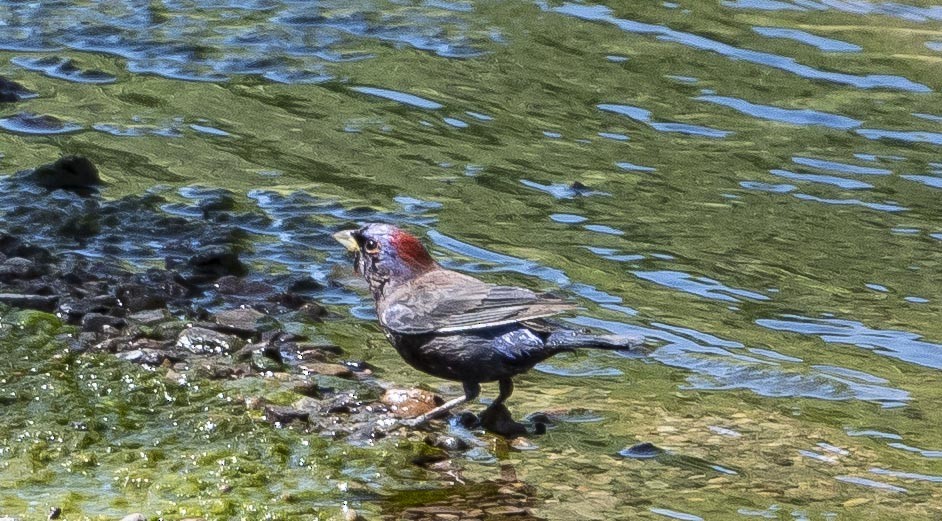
[385, 255]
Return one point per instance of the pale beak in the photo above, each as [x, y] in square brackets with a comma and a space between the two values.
[345, 237]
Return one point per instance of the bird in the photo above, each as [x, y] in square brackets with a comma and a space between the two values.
[455, 326]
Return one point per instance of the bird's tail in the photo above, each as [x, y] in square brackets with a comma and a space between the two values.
[569, 339]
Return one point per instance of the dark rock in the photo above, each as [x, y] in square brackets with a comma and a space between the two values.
[213, 262]
[69, 172]
[309, 389]
[18, 268]
[232, 285]
[98, 323]
[468, 420]
[242, 321]
[138, 297]
[12, 91]
[73, 310]
[38, 302]
[54, 513]
[643, 450]
[283, 415]
[311, 311]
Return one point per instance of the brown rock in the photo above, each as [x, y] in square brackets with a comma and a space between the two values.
[409, 403]
[340, 371]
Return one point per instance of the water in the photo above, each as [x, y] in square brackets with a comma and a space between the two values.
[753, 185]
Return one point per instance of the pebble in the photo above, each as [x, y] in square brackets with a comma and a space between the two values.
[326, 369]
[409, 403]
[206, 341]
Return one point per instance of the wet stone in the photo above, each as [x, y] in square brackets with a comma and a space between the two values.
[69, 172]
[98, 322]
[38, 302]
[283, 415]
[150, 357]
[242, 321]
[326, 369]
[449, 443]
[213, 262]
[150, 317]
[18, 268]
[139, 297]
[409, 403]
[206, 341]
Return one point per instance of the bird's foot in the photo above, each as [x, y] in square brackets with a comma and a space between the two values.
[497, 419]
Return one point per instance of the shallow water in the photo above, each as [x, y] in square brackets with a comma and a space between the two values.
[757, 193]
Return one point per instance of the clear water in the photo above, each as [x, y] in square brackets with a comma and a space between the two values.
[757, 191]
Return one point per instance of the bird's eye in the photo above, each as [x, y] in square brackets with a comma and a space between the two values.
[371, 246]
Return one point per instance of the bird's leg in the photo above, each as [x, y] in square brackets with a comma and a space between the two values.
[506, 389]
[496, 418]
[471, 391]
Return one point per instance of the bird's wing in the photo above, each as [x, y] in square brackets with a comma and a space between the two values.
[443, 301]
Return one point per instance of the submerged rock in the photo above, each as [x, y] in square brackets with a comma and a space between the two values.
[68, 172]
[12, 91]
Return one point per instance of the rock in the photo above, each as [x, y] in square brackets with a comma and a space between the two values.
[150, 316]
[134, 517]
[139, 297]
[449, 443]
[69, 172]
[12, 91]
[97, 322]
[260, 361]
[232, 285]
[206, 341]
[38, 302]
[311, 311]
[409, 403]
[242, 321]
[54, 513]
[337, 370]
[283, 415]
[522, 443]
[309, 389]
[72, 310]
[18, 268]
[213, 262]
[152, 357]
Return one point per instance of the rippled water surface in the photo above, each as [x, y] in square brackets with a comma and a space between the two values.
[754, 185]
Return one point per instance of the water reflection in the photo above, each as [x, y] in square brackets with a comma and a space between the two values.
[901, 345]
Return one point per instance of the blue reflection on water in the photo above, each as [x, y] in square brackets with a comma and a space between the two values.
[822, 43]
[718, 364]
[702, 286]
[401, 97]
[792, 116]
[644, 116]
[901, 345]
[599, 13]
